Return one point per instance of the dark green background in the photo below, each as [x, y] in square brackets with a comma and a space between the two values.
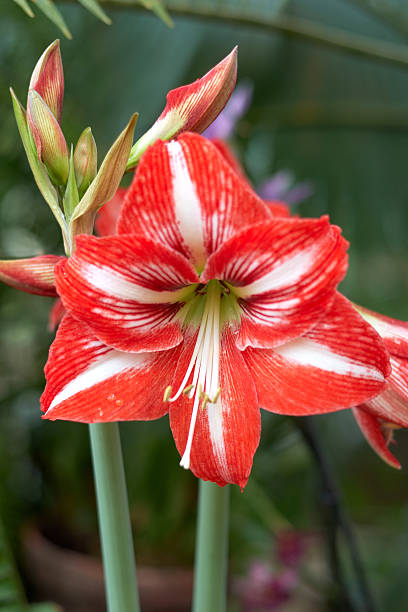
[336, 120]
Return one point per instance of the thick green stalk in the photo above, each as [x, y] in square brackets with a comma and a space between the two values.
[211, 560]
[114, 521]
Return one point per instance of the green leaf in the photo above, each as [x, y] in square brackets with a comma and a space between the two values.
[94, 8]
[25, 6]
[37, 167]
[71, 196]
[50, 10]
[157, 7]
[106, 182]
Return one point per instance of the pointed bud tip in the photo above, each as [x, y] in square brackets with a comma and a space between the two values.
[48, 78]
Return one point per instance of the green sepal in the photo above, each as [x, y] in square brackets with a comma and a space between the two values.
[159, 9]
[38, 169]
[106, 182]
[50, 10]
[94, 7]
[71, 195]
[23, 4]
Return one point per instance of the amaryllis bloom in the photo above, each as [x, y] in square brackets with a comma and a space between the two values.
[207, 307]
[380, 416]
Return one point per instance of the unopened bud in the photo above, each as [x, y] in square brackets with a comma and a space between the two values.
[85, 160]
[192, 107]
[33, 275]
[49, 139]
[48, 79]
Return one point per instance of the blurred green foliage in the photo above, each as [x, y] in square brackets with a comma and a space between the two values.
[338, 121]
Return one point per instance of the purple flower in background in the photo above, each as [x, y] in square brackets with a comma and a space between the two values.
[264, 589]
[281, 186]
[224, 126]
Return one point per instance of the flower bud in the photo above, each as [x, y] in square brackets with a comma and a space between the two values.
[192, 107]
[106, 182]
[48, 79]
[85, 160]
[32, 275]
[49, 139]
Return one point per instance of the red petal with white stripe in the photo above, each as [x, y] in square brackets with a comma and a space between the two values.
[392, 404]
[186, 196]
[226, 433]
[107, 217]
[339, 363]
[393, 332]
[284, 273]
[128, 289]
[89, 382]
[374, 434]
[32, 275]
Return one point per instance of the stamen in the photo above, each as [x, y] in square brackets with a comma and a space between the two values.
[205, 361]
[167, 393]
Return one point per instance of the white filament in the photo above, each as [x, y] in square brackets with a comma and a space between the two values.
[205, 362]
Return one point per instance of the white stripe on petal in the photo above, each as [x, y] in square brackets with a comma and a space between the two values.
[187, 205]
[285, 274]
[103, 368]
[307, 352]
[215, 424]
[114, 284]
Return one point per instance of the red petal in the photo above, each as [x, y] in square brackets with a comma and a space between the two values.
[393, 332]
[226, 434]
[89, 382]
[392, 404]
[229, 157]
[186, 196]
[107, 217]
[56, 314]
[285, 272]
[373, 433]
[278, 209]
[128, 289]
[33, 275]
[340, 363]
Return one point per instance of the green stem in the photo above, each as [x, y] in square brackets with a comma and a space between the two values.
[114, 521]
[211, 561]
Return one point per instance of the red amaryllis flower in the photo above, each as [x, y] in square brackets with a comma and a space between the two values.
[206, 300]
[380, 416]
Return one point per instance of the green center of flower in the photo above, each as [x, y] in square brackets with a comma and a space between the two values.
[208, 309]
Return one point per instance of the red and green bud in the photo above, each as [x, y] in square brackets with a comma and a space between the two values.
[48, 79]
[33, 275]
[48, 137]
[191, 108]
[85, 160]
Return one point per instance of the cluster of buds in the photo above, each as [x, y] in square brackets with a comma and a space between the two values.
[68, 177]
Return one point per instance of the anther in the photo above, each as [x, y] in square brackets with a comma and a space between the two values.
[216, 396]
[187, 390]
[167, 393]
